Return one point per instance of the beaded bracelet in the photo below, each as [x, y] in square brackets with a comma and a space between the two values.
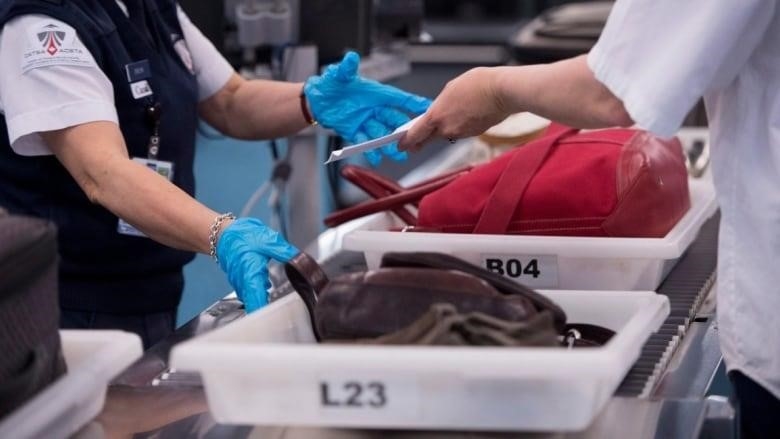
[214, 231]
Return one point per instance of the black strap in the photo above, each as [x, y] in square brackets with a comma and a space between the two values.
[586, 335]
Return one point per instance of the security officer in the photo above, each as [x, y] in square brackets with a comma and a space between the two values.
[654, 60]
[100, 100]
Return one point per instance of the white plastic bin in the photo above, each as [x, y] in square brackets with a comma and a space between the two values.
[266, 369]
[93, 359]
[551, 262]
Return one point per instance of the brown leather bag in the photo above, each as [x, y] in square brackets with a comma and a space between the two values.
[380, 302]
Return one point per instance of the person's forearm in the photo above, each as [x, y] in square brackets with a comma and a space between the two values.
[95, 155]
[256, 109]
[565, 91]
[155, 206]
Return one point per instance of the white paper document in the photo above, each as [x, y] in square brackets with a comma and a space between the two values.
[351, 150]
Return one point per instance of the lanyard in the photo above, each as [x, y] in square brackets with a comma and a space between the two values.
[153, 113]
[139, 74]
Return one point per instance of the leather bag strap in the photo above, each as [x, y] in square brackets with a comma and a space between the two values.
[377, 186]
[308, 279]
[410, 195]
[513, 182]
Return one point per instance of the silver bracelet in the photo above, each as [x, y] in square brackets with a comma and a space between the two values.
[214, 231]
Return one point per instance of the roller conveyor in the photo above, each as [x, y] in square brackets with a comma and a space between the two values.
[686, 286]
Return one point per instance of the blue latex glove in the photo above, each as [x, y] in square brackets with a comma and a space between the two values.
[360, 109]
[244, 250]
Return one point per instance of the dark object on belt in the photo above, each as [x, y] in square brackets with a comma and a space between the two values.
[580, 335]
[561, 32]
[31, 355]
[397, 300]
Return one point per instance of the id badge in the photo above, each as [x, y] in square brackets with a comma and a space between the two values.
[159, 166]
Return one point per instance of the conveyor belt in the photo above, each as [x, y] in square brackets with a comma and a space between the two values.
[686, 286]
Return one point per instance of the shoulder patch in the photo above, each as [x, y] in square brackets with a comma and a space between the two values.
[53, 43]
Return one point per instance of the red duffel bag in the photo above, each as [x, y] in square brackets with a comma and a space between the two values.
[613, 182]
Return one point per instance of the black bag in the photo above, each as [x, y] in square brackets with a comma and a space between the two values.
[31, 355]
[561, 32]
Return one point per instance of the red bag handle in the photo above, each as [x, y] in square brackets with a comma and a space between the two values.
[377, 186]
[513, 182]
[391, 201]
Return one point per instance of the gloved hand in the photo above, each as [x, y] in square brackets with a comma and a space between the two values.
[360, 109]
[243, 250]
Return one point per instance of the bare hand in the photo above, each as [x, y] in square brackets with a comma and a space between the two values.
[468, 105]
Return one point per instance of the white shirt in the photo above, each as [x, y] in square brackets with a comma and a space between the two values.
[659, 57]
[72, 90]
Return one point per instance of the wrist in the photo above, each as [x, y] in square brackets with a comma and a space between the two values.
[216, 228]
[308, 116]
[502, 83]
[225, 224]
[498, 90]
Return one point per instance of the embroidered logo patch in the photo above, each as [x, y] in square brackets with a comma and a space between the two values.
[53, 44]
[51, 39]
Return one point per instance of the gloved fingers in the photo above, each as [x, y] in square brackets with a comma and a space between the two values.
[244, 249]
[278, 249]
[348, 67]
[359, 137]
[250, 235]
[373, 157]
[391, 117]
[416, 104]
[375, 129]
[406, 101]
[249, 277]
[391, 150]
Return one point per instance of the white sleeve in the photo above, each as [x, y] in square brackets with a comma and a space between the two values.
[48, 81]
[211, 69]
[660, 56]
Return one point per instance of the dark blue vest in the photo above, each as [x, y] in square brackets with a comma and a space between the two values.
[100, 269]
